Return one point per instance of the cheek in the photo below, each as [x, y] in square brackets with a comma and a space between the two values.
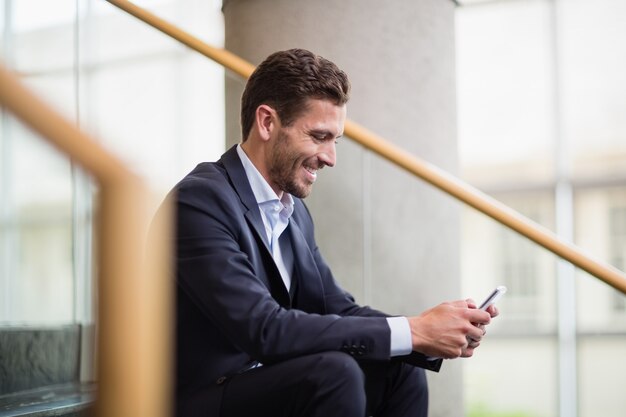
[285, 161]
[294, 157]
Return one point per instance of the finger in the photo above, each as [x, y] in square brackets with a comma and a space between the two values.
[475, 334]
[452, 352]
[493, 311]
[471, 339]
[479, 316]
[473, 344]
[468, 353]
[471, 303]
[469, 350]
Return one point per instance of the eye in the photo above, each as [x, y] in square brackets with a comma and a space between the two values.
[322, 136]
[318, 137]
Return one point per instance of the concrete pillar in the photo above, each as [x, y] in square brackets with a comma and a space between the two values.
[391, 240]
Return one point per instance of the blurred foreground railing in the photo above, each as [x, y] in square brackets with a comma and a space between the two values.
[134, 303]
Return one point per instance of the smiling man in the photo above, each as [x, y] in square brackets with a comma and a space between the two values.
[289, 156]
[263, 328]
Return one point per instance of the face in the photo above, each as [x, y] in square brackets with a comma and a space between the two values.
[300, 150]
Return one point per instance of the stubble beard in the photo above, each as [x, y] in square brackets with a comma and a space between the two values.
[284, 168]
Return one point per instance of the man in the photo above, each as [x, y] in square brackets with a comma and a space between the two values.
[263, 329]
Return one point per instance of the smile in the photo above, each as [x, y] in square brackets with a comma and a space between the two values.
[312, 173]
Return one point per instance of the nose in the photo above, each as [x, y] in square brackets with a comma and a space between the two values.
[328, 154]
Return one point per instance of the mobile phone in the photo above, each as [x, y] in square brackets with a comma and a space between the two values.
[493, 297]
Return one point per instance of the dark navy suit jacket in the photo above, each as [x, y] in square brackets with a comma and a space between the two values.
[233, 309]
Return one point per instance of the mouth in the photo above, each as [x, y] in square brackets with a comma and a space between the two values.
[311, 173]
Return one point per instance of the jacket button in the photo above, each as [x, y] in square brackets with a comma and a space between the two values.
[220, 380]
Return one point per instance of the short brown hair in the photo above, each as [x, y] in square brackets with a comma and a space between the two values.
[285, 80]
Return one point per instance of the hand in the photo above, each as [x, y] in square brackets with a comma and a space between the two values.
[444, 330]
[492, 309]
[472, 344]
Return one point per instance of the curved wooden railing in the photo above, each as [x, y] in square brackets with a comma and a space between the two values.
[431, 174]
[134, 306]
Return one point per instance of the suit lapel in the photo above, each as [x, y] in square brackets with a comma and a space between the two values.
[240, 183]
[310, 291]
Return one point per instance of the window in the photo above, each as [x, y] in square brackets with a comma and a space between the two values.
[518, 264]
[154, 103]
[157, 105]
[526, 268]
[37, 279]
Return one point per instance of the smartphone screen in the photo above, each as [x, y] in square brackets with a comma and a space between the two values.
[493, 297]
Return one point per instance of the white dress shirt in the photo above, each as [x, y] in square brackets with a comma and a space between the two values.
[275, 213]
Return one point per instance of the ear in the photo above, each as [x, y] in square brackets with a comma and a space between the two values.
[266, 121]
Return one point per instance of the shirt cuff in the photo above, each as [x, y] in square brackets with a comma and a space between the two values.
[401, 343]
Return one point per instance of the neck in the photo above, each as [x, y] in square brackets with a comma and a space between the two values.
[256, 155]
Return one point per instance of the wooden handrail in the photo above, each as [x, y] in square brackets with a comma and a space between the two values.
[429, 173]
[134, 305]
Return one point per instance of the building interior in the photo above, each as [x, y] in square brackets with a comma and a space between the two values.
[522, 102]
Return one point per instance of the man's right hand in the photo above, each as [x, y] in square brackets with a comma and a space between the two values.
[443, 331]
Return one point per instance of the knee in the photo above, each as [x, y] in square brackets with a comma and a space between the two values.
[334, 384]
[338, 377]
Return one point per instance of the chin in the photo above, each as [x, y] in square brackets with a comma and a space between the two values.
[301, 191]
[302, 195]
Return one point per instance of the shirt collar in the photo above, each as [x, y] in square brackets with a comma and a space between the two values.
[261, 189]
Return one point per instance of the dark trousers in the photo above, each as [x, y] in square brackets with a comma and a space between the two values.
[325, 385]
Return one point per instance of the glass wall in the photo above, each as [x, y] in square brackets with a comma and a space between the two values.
[542, 94]
[154, 103]
[37, 282]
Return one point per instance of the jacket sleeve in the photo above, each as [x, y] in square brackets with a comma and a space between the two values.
[339, 301]
[220, 269]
